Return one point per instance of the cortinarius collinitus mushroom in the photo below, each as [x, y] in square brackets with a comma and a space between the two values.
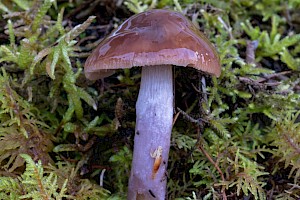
[155, 40]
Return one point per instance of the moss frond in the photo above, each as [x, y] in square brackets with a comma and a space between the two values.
[248, 174]
[285, 137]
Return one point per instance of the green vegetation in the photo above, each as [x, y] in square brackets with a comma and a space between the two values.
[63, 137]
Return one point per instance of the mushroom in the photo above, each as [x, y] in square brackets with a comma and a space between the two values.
[155, 40]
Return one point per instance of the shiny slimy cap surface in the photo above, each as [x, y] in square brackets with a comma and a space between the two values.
[154, 37]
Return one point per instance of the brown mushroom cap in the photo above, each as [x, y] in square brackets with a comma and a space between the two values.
[154, 37]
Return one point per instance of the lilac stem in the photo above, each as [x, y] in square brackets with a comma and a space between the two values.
[154, 117]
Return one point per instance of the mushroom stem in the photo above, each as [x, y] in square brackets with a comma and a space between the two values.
[154, 117]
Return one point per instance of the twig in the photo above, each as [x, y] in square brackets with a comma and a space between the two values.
[217, 167]
[102, 177]
[257, 82]
[261, 81]
[227, 27]
[212, 161]
[191, 119]
[270, 76]
[175, 118]
[250, 51]
[203, 86]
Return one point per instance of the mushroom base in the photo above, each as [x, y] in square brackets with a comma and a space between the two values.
[154, 117]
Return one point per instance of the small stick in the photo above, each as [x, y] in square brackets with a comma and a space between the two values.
[227, 27]
[197, 121]
[216, 166]
[102, 177]
[203, 85]
[250, 51]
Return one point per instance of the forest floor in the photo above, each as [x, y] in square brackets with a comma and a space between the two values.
[65, 137]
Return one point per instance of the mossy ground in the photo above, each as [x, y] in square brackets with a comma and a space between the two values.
[236, 138]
